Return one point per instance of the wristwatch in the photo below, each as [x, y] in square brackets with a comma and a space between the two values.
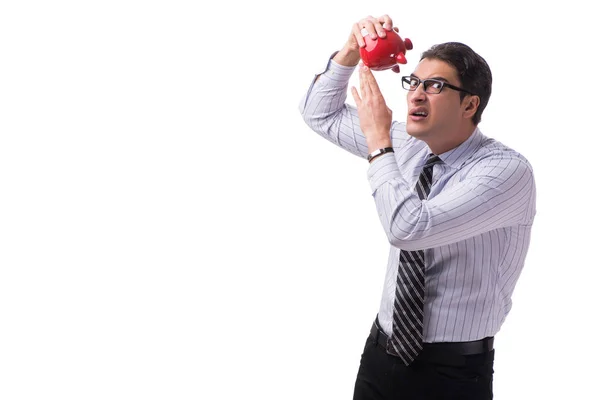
[379, 152]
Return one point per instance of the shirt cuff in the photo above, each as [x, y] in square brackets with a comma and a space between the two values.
[383, 169]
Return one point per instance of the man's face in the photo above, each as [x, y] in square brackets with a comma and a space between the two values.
[433, 116]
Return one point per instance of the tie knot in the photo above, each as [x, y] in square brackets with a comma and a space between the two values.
[433, 159]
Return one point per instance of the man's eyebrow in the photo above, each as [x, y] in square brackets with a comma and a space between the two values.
[439, 78]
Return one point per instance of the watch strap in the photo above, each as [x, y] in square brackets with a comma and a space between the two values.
[379, 152]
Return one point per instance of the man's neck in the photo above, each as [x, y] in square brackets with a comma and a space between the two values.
[440, 147]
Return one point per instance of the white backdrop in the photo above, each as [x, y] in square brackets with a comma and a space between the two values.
[171, 229]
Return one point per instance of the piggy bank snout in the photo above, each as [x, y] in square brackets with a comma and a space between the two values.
[407, 45]
[401, 59]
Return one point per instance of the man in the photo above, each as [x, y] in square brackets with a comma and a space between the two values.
[457, 208]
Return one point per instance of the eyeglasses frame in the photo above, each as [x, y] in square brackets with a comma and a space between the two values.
[443, 83]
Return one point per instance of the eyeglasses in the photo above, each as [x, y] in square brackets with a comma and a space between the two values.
[431, 86]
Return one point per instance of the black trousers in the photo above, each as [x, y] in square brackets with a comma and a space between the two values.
[435, 374]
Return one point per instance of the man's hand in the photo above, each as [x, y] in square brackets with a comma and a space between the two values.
[375, 116]
[375, 27]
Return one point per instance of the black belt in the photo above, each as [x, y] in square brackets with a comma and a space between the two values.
[461, 348]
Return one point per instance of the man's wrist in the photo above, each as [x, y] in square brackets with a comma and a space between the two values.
[381, 143]
[374, 154]
[347, 58]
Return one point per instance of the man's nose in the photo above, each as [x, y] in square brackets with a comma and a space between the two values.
[418, 95]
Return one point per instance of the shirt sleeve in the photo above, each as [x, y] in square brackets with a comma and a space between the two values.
[324, 110]
[498, 191]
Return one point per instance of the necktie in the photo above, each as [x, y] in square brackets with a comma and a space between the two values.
[406, 340]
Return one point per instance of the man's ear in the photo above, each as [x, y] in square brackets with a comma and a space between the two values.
[471, 106]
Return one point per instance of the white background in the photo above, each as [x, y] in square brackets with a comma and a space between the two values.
[171, 229]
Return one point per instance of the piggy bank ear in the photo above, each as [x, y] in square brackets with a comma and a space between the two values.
[401, 59]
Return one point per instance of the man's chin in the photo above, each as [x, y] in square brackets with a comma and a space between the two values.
[414, 131]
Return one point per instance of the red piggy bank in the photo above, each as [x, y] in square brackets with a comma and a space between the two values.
[384, 53]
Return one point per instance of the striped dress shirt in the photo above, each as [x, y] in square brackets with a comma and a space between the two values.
[474, 227]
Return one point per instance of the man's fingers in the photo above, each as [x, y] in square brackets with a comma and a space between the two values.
[365, 87]
[357, 98]
[361, 81]
[380, 30]
[367, 29]
[386, 22]
[368, 80]
[356, 31]
[372, 27]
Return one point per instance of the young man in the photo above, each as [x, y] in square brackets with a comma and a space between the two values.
[457, 208]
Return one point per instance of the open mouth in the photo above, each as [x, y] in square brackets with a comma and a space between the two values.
[418, 114]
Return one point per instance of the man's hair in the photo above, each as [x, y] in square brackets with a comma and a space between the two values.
[473, 71]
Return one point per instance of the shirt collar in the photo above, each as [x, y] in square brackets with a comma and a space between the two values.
[458, 155]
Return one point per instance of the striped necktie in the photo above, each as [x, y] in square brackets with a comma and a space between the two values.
[406, 340]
